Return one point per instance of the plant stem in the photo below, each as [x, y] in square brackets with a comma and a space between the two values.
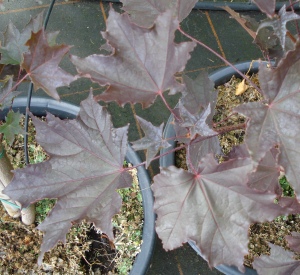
[222, 58]
[225, 129]
[167, 105]
[223, 120]
[220, 130]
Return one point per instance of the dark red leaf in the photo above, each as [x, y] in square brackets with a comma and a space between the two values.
[266, 174]
[195, 110]
[153, 140]
[143, 63]
[197, 149]
[199, 93]
[41, 64]
[213, 207]
[196, 123]
[193, 117]
[275, 121]
[265, 178]
[83, 173]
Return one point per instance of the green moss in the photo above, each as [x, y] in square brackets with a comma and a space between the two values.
[287, 190]
[42, 208]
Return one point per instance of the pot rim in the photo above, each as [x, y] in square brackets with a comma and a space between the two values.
[39, 107]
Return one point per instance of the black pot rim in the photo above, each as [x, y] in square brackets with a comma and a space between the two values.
[64, 110]
[219, 77]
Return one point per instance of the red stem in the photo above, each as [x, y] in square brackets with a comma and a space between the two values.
[167, 105]
[229, 128]
[223, 120]
[219, 131]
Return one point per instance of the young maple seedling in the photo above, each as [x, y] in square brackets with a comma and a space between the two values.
[211, 203]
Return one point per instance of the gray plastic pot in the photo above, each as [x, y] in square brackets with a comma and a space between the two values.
[219, 77]
[63, 110]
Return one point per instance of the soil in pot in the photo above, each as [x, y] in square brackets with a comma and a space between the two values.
[86, 251]
[260, 234]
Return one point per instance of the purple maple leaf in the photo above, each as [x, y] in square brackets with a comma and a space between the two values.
[266, 174]
[143, 62]
[212, 207]
[199, 93]
[196, 123]
[153, 140]
[41, 64]
[83, 173]
[275, 121]
[6, 93]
